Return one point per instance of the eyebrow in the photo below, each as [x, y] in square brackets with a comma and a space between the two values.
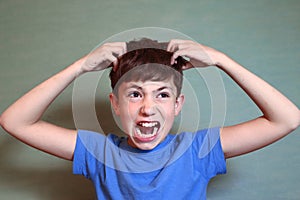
[140, 88]
[164, 87]
[133, 86]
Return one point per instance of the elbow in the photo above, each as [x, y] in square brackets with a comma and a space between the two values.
[293, 122]
[288, 122]
[1, 121]
[297, 123]
[5, 123]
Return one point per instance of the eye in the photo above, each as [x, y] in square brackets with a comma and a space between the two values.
[135, 94]
[163, 95]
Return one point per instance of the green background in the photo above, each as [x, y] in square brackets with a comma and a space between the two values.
[38, 38]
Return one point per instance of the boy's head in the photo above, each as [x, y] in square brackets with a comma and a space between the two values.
[146, 93]
[147, 60]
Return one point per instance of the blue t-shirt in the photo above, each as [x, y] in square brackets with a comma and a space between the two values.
[178, 168]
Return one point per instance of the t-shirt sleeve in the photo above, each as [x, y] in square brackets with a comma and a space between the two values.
[212, 160]
[87, 151]
[79, 159]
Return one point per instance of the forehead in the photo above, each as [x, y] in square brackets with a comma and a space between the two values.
[147, 86]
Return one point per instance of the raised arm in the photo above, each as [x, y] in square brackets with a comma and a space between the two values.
[280, 115]
[23, 118]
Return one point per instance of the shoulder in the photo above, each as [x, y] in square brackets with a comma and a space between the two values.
[95, 141]
[202, 141]
[204, 135]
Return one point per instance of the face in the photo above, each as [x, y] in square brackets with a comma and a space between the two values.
[147, 111]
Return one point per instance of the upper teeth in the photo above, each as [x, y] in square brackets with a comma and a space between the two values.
[148, 124]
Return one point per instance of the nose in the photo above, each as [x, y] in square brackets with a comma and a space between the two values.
[147, 107]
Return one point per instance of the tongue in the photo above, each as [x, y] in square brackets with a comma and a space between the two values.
[146, 130]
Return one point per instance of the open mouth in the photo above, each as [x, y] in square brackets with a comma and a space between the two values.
[147, 130]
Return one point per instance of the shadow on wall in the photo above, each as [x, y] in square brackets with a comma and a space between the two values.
[31, 181]
[26, 173]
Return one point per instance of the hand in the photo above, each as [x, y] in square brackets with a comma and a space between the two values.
[103, 56]
[199, 55]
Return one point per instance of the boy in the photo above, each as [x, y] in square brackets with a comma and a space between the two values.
[149, 163]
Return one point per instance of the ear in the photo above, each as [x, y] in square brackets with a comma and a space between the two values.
[178, 104]
[115, 103]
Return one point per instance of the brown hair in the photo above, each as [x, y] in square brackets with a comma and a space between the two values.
[146, 60]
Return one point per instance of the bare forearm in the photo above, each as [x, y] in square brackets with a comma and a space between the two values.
[276, 107]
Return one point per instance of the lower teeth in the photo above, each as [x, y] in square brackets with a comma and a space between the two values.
[146, 135]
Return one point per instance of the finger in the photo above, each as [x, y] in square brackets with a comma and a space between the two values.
[170, 45]
[110, 58]
[115, 50]
[173, 44]
[176, 54]
[121, 45]
[178, 44]
[115, 43]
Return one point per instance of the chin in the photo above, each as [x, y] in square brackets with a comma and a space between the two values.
[143, 145]
[147, 147]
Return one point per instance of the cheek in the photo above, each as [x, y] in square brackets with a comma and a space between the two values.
[169, 111]
[129, 110]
